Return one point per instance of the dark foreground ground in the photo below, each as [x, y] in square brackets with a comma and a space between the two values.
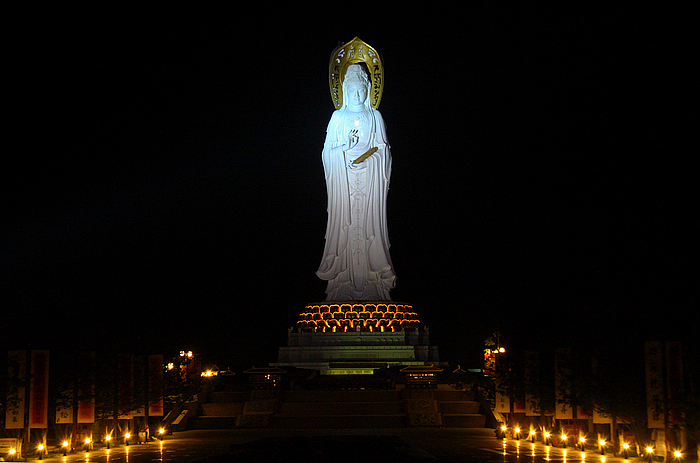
[406, 445]
[339, 449]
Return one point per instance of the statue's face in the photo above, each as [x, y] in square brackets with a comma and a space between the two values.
[357, 93]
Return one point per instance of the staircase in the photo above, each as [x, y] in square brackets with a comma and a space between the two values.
[340, 409]
[459, 410]
[222, 410]
[356, 409]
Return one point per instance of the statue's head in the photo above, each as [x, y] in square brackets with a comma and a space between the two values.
[356, 86]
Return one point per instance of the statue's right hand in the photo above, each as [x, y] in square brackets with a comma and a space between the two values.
[353, 138]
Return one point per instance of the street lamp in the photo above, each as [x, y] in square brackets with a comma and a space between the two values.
[650, 453]
[12, 453]
[108, 438]
[602, 446]
[40, 448]
[546, 436]
[127, 436]
[626, 450]
[533, 434]
[517, 434]
[582, 441]
[563, 439]
[677, 454]
[87, 444]
[65, 448]
[502, 433]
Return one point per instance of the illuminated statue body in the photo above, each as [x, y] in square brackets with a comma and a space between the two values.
[358, 320]
[356, 261]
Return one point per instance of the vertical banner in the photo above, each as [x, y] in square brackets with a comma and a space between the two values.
[64, 406]
[653, 365]
[17, 372]
[502, 402]
[140, 386]
[601, 418]
[562, 384]
[86, 390]
[64, 414]
[126, 386]
[502, 397]
[532, 405]
[39, 390]
[86, 410]
[532, 379]
[155, 385]
[582, 413]
[674, 380]
[519, 405]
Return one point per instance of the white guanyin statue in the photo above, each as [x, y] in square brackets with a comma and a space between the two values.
[357, 165]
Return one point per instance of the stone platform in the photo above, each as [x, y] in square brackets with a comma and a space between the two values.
[356, 338]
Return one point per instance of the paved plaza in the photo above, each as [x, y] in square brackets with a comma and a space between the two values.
[409, 445]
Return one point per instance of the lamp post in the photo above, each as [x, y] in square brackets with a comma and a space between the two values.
[12, 454]
[40, 448]
[65, 448]
[626, 450]
[546, 438]
[127, 436]
[563, 440]
[108, 438]
[582, 441]
[501, 434]
[650, 453]
[533, 434]
[601, 442]
[87, 444]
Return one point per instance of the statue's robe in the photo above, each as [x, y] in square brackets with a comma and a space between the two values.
[356, 261]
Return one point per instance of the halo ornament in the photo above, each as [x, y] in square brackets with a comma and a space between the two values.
[354, 52]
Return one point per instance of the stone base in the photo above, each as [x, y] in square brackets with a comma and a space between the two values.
[344, 316]
[357, 338]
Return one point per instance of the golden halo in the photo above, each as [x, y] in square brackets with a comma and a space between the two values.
[354, 52]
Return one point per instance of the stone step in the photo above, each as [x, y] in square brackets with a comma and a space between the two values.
[459, 408]
[341, 408]
[453, 396]
[212, 422]
[222, 409]
[339, 421]
[463, 421]
[229, 397]
[341, 396]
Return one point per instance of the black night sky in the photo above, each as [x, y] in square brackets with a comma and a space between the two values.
[163, 187]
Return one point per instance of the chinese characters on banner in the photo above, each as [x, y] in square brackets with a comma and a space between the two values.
[64, 412]
[39, 390]
[17, 374]
[502, 402]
